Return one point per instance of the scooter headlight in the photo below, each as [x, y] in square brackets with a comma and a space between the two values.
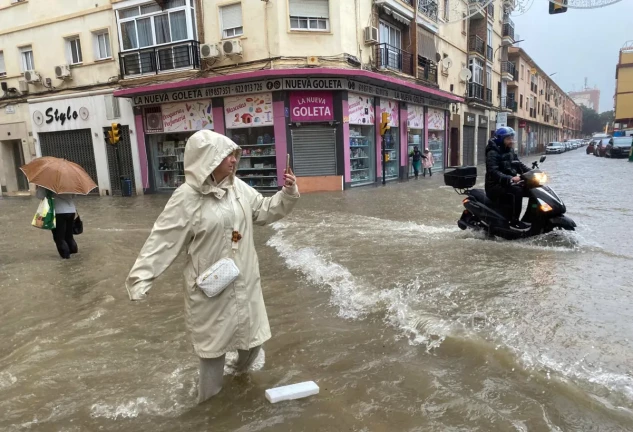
[540, 178]
[545, 207]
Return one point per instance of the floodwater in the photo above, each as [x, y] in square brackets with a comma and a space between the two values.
[404, 321]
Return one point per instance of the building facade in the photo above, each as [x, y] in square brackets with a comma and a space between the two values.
[58, 71]
[624, 90]
[589, 97]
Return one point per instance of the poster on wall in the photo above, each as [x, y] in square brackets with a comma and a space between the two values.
[415, 119]
[187, 116]
[312, 106]
[361, 109]
[436, 119]
[249, 111]
[392, 108]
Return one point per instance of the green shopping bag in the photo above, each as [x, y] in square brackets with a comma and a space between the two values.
[45, 216]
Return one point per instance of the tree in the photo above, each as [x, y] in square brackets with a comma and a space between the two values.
[591, 121]
[607, 117]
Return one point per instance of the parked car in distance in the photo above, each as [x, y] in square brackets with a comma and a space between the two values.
[555, 148]
[619, 147]
[600, 149]
[591, 146]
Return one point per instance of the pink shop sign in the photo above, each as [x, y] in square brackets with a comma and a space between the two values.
[311, 106]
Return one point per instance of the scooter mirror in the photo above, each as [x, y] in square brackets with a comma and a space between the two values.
[543, 159]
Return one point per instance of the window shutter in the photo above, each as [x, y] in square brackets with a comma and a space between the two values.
[231, 16]
[314, 151]
[426, 45]
[309, 8]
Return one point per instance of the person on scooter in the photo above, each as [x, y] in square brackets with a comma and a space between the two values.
[503, 170]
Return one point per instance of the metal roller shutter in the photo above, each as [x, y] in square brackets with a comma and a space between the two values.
[309, 8]
[469, 146]
[125, 153]
[73, 145]
[482, 142]
[314, 151]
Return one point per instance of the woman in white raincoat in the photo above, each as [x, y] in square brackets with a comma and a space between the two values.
[201, 216]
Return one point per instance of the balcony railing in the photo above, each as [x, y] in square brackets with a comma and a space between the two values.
[489, 52]
[428, 8]
[390, 57]
[509, 68]
[508, 31]
[476, 44]
[480, 4]
[477, 91]
[427, 70]
[181, 55]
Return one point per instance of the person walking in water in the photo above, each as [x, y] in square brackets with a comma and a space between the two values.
[417, 156]
[428, 162]
[64, 219]
[212, 216]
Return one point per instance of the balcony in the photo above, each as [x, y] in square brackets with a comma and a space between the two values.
[477, 10]
[534, 88]
[390, 57]
[507, 35]
[427, 71]
[508, 104]
[428, 8]
[477, 93]
[508, 71]
[476, 45]
[163, 58]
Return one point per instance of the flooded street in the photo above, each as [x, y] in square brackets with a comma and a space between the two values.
[406, 322]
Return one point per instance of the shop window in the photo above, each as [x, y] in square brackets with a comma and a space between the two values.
[149, 25]
[3, 69]
[362, 138]
[521, 101]
[231, 20]
[102, 45]
[73, 50]
[26, 54]
[313, 15]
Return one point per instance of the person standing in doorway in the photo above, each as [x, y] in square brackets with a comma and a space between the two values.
[64, 220]
[428, 162]
[417, 156]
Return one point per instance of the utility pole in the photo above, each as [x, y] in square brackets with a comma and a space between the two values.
[384, 127]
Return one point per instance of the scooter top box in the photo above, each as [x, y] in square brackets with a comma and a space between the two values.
[461, 178]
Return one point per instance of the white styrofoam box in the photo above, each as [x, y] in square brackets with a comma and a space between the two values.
[293, 391]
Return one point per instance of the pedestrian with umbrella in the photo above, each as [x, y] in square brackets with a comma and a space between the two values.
[61, 180]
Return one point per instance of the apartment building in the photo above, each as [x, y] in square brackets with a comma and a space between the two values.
[540, 111]
[624, 90]
[58, 71]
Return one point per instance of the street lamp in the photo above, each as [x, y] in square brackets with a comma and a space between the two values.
[494, 54]
[552, 74]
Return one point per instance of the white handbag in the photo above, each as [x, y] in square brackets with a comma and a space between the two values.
[217, 277]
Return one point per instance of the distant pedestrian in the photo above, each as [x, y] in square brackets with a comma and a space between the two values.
[65, 211]
[417, 157]
[428, 162]
[211, 216]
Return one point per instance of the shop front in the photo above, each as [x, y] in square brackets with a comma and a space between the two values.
[482, 138]
[362, 139]
[436, 126]
[16, 149]
[470, 123]
[74, 127]
[415, 132]
[392, 139]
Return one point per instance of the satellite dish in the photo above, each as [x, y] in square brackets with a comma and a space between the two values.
[447, 62]
[465, 75]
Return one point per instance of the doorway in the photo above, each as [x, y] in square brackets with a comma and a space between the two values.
[454, 147]
[13, 157]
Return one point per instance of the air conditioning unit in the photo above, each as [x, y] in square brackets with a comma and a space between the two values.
[209, 51]
[30, 76]
[23, 86]
[62, 71]
[371, 35]
[232, 48]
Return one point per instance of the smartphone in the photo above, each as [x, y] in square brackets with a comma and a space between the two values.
[287, 162]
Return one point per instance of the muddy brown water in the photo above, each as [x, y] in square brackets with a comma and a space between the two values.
[404, 321]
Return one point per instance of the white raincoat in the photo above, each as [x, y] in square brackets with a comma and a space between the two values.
[201, 216]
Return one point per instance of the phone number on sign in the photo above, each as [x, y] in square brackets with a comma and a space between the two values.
[235, 89]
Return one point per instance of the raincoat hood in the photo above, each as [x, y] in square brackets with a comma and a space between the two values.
[205, 150]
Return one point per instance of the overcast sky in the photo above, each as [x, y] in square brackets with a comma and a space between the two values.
[577, 44]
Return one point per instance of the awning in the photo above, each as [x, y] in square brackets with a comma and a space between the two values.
[426, 45]
[400, 18]
[397, 8]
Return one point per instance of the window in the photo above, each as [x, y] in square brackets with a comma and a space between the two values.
[148, 25]
[390, 54]
[488, 77]
[73, 49]
[231, 20]
[521, 101]
[102, 45]
[3, 69]
[489, 35]
[309, 15]
[447, 10]
[522, 71]
[464, 19]
[28, 62]
[476, 66]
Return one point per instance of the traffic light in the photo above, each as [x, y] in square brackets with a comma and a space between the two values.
[559, 7]
[115, 134]
[384, 124]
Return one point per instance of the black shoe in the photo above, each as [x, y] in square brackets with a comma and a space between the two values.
[522, 226]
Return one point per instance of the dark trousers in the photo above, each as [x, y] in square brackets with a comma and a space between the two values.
[63, 234]
[508, 198]
[424, 172]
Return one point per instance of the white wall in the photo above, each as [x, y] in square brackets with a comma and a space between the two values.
[94, 102]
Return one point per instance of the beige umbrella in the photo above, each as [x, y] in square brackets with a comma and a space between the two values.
[58, 175]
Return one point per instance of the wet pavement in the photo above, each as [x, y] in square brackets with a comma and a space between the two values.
[404, 321]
